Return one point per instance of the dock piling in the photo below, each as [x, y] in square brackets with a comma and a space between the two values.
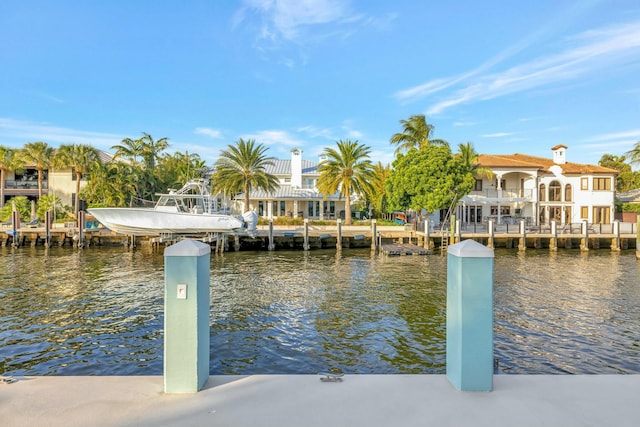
[186, 316]
[339, 239]
[638, 237]
[522, 245]
[615, 242]
[584, 241]
[306, 245]
[469, 332]
[553, 241]
[272, 245]
[374, 242]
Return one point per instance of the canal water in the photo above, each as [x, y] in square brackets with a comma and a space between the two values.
[99, 311]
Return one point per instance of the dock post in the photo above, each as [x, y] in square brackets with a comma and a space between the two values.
[553, 241]
[81, 217]
[458, 231]
[339, 239]
[186, 316]
[638, 237]
[306, 246]
[615, 242]
[48, 220]
[469, 329]
[490, 244]
[427, 234]
[584, 241]
[452, 230]
[236, 243]
[15, 226]
[522, 245]
[374, 242]
[272, 245]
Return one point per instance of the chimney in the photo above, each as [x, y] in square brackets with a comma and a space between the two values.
[296, 168]
[559, 154]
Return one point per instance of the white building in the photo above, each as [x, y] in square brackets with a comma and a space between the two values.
[297, 195]
[540, 190]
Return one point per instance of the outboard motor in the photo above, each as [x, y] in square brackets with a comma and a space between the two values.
[250, 222]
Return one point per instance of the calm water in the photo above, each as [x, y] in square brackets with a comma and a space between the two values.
[99, 311]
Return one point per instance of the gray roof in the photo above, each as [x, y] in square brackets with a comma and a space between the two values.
[632, 196]
[283, 167]
[288, 192]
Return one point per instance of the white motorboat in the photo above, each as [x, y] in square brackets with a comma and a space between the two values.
[189, 210]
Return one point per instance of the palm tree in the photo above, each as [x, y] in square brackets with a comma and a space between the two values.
[81, 158]
[8, 161]
[241, 168]
[130, 149]
[470, 158]
[347, 170]
[377, 193]
[38, 154]
[634, 153]
[416, 133]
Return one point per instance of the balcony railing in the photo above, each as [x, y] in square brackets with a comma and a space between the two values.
[506, 193]
[25, 185]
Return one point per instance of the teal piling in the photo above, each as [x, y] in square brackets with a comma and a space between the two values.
[469, 334]
[186, 316]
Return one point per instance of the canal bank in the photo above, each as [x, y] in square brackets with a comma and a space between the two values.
[304, 400]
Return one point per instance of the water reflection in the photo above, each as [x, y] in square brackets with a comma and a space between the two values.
[99, 311]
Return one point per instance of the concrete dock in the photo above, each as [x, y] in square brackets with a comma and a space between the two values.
[304, 400]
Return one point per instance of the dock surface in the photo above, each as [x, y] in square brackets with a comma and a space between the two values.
[305, 400]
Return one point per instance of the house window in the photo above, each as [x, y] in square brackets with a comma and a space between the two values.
[584, 183]
[567, 193]
[542, 192]
[555, 191]
[260, 208]
[283, 208]
[504, 210]
[567, 214]
[501, 183]
[478, 185]
[601, 215]
[601, 184]
[584, 212]
[274, 208]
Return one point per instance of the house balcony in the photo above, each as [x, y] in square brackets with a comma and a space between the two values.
[24, 187]
[492, 195]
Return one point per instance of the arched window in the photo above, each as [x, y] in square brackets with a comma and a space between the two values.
[542, 193]
[555, 191]
[567, 193]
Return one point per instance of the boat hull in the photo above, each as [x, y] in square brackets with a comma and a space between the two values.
[150, 222]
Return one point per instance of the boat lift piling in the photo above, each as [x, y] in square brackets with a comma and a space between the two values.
[306, 245]
[339, 238]
[374, 242]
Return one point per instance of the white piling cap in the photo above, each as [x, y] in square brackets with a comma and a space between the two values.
[470, 249]
[188, 247]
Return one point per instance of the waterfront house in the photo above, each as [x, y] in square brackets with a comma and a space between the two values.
[540, 190]
[61, 182]
[297, 195]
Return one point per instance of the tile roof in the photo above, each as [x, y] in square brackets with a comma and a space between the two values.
[632, 196]
[539, 163]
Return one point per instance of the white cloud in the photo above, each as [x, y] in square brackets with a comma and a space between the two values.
[585, 53]
[213, 133]
[275, 137]
[630, 134]
[22, 132]
[496, 135]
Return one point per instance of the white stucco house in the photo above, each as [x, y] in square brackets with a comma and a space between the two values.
[540, 190]
[297, 195]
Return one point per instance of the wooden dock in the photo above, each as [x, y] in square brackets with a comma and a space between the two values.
[403, 249]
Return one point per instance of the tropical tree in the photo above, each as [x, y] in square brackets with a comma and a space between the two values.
[348, 171]
[81, 158]
[377, 194]
[8, 161]
[178, 168]
[129, 150]
[416, 133]
[22, 204]
[634, 153]
[430, 178]
[470, 158]
[38, 154]
[627, 179]
[241, 168]
[50, 202]
[110, 185]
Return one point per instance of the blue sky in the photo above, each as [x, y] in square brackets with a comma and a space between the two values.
[508, 76]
